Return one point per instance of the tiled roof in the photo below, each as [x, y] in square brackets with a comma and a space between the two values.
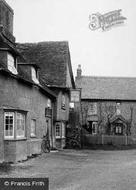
[52, 58]
[113, 88]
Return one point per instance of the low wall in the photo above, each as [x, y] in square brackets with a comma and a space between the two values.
[88, 139]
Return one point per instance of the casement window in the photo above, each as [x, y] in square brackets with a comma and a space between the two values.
[34, 75]
[9, 125]
[92, 109]
[58, 131]
[11, 62]
[49, 103]
[14, 125]
[94, 128]
[63, 102]
[20, 125]
[119, 130]
[33, 128]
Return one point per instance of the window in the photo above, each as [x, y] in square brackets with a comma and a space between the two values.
[63, 130]
[11, 64]
[119, 130]
[20, 128]
[94, 128]
[92, 109]
[34, 75]
[58, 131]
[63, 104]
[9, 125]
[33, 128]
[118, 111]
[14, 124]
[49, 103]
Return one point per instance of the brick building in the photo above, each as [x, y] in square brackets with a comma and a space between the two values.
[55, 71]
[108, 108]
[24, 101]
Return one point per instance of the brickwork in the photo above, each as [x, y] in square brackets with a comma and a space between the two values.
[105, 108]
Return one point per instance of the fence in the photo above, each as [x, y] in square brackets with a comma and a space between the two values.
[88, 139]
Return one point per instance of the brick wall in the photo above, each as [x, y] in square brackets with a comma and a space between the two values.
[104, 108]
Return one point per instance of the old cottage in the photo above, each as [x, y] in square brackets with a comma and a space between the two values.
[108, 109]
[25, 104]
[53, 59]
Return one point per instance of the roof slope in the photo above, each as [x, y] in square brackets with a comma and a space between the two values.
[113, 88]
[52, 58]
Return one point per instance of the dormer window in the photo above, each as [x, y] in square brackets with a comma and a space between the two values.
[34, 75]
[11, 63]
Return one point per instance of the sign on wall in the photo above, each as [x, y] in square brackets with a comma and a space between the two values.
[75, 95]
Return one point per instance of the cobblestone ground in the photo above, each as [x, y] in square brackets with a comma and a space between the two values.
[81, 170]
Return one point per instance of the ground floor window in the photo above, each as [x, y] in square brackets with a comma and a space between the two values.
[9, 125]
[119, 130]
[14, 125]
[33, 128]
[93, 127]
[60, 130]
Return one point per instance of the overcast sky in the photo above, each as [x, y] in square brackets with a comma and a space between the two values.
[109, 53]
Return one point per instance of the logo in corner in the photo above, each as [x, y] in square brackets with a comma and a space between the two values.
[106, 21]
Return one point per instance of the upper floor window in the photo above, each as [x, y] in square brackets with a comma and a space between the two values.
[34, 75]
[11, 62]
[49, 103]
[118, 111]
[92, 109]
[63, 103]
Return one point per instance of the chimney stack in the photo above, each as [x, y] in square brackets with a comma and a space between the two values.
[79, 72]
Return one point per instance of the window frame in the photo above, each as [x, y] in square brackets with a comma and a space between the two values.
[92, 109]
[118, 108]
[14, 136]
[94, 127]
[58, 136]
[24, 121]
[11, 67]
[63, 130]
[63, 101]
[118, 130]
[5, 136]
[32, 135]
[34, 74]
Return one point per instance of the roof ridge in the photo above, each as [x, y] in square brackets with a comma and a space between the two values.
[114, 77]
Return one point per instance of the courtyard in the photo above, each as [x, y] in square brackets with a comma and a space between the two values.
[80, 169]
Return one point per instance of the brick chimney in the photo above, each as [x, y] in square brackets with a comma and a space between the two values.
[6, 19]
[79, 72]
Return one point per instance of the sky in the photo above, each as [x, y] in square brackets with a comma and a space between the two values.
[100, 53]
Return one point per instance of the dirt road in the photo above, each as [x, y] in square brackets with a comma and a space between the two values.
[81, 170]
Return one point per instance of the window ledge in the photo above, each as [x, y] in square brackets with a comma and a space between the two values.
[20, 139]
